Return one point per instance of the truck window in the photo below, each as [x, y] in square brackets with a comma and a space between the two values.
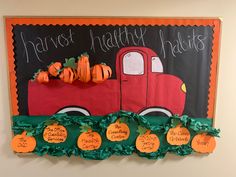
[157, 66]
[133, 63]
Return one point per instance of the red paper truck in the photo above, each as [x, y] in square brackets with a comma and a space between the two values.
[140, 86]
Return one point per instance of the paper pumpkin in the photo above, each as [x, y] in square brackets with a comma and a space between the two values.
[100, 73]
[147, 142]
[41, 77]
[83, 68]
[55, 133]
[54, 68]
[178, 135]
[23, 143]
[203, 143]
[117, 131]
[68, 75]
[89, 140]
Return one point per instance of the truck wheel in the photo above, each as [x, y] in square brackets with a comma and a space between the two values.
[74, 111]
[155, 112]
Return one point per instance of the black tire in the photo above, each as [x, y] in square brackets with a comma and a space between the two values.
[74, 111]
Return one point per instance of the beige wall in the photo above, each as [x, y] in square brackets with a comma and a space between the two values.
[221, 163]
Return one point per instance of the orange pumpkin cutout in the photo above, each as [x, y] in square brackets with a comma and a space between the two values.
[89, 140]
[118, 131]
[55, 133]
[54, 68]
[147, 142]
[203, 143]
[100, 73]
[23, 143]
[42, 77]
[178, 135]
[83, 68]
[68, 75]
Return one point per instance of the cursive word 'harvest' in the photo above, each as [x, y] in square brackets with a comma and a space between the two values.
[41, 45]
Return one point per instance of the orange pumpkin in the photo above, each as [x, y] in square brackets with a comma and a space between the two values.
[117, 131]
[100, 73]
[55, 133]
[42, 77]
[203, 143]
[83, 68]
[23, 143]
[147, 142]
[89, 141]
[54, 68]
[68, 75]
[178, 135]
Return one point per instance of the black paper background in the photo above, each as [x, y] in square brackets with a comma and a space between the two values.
[192, 65]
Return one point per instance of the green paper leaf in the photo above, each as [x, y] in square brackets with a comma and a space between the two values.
[85, 128]
[50, 122]
[175, 122]
[29, 129]
[123, 120]
[70, 63]
[36, 74]
[29, 133]
[141, 130]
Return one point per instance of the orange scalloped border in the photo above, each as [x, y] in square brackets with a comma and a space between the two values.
[215, 22]
[214, 69]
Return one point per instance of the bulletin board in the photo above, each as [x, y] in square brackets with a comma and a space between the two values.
[96, 87]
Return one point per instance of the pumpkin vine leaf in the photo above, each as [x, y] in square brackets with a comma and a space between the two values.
[123, 120]
[29, 133]
[29, 129]
[85, 128]
[70, 63]
[50, 122]
[141, 130]
[36, 74]
[175, 122]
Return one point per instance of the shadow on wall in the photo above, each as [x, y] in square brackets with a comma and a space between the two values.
[77, 161]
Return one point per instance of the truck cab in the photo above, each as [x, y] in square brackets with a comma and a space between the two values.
[145, 89]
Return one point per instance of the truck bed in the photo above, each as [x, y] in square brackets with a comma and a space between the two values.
[98, 99]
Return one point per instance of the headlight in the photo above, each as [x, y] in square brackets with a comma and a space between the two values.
[183, 88]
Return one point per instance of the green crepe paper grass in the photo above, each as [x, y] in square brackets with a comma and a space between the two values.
[159, 125]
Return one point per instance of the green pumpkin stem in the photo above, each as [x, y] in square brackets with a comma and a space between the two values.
[85, 54]
[36, 74]
[142, 130]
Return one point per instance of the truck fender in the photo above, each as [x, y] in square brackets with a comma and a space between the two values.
[156, 109]
[74, 109]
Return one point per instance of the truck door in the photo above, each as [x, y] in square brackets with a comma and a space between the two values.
[133, 80]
